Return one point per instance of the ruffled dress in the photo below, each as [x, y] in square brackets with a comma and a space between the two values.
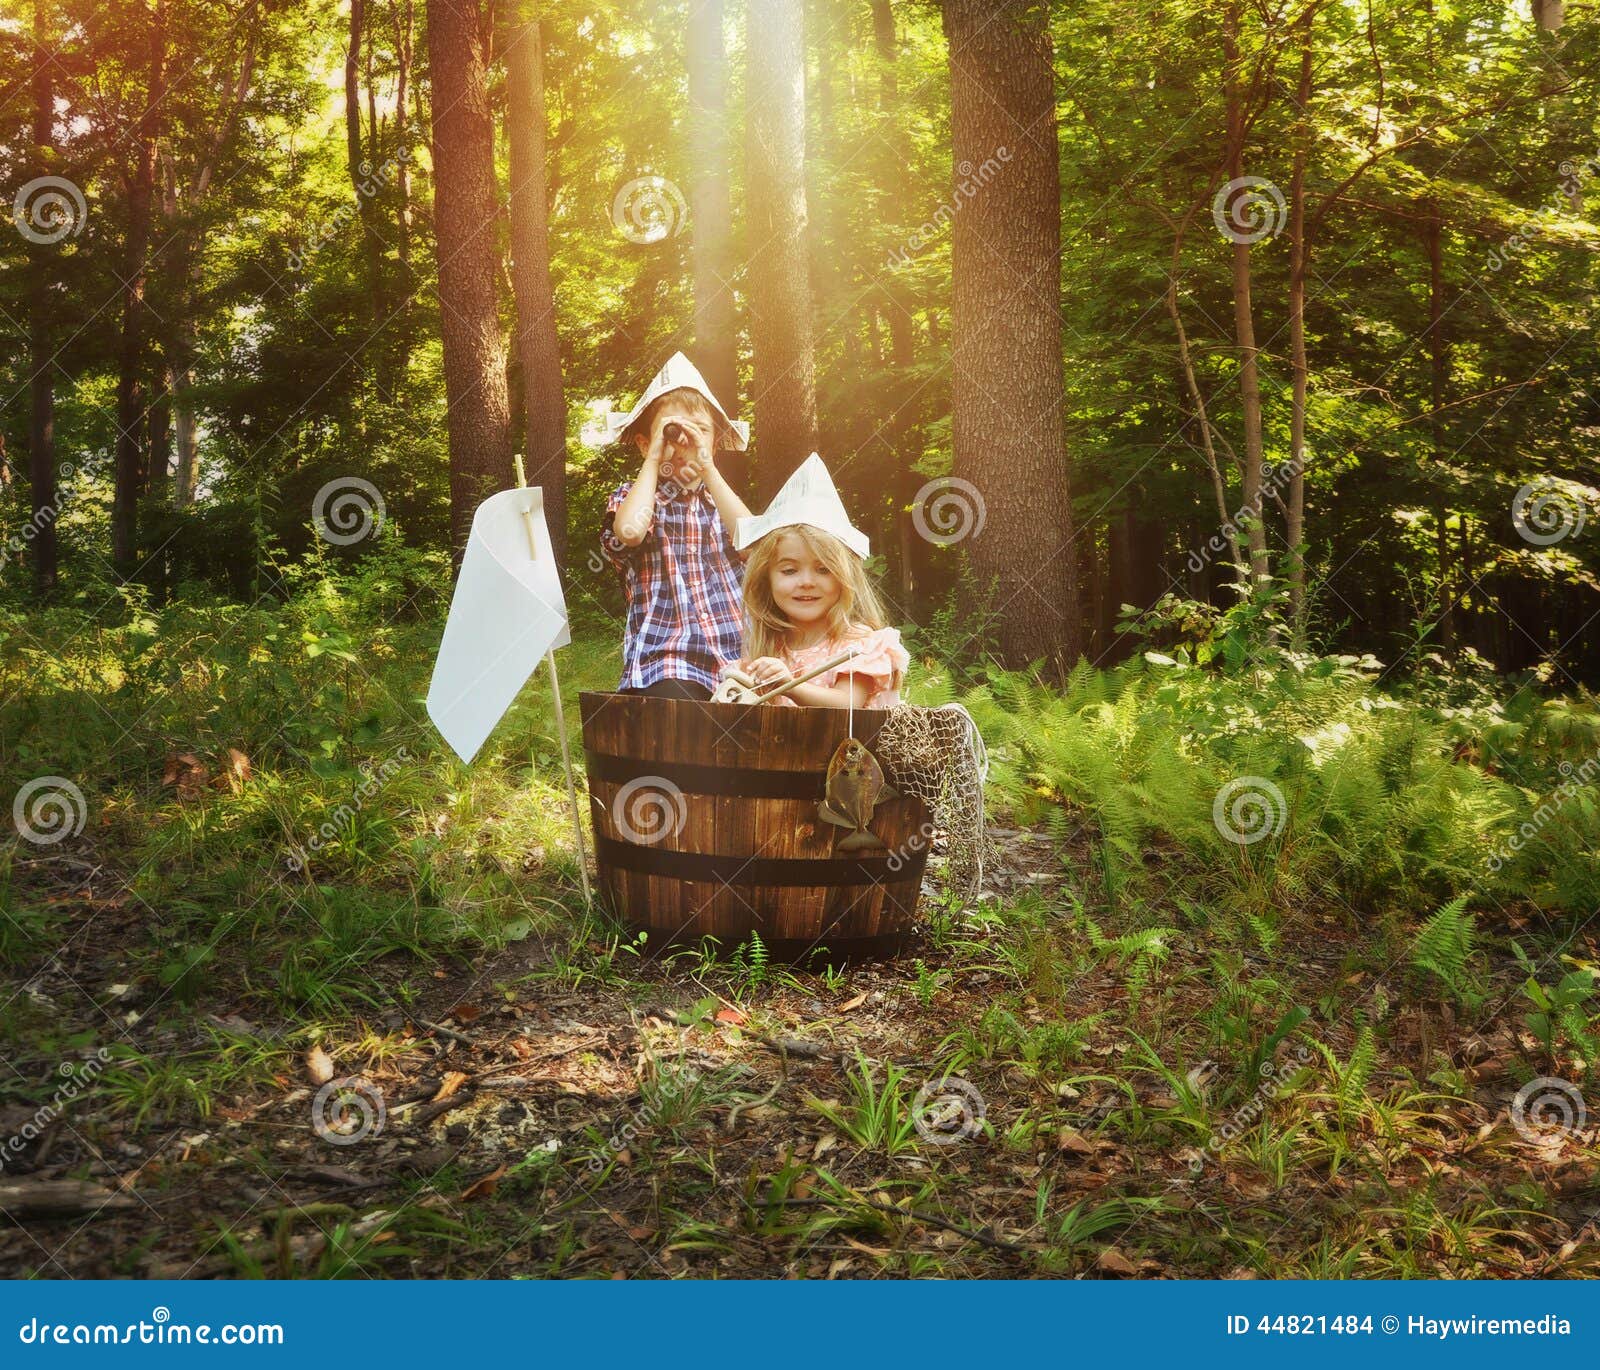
[881, 660]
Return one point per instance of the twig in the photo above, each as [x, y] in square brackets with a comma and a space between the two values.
[738, 1108]
[443, 1106]
[443, 1031]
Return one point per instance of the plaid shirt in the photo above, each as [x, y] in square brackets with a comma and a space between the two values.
[684, 584]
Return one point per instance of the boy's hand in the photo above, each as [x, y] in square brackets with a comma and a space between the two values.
[687, 458]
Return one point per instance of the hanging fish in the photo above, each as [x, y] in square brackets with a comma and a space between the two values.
[855, 788]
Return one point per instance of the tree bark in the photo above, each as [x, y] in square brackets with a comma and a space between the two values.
[1243, 317]
[1294, 522]
[710, 211]
[785, 398]
[1005, 328]
[543, 395]
[465, 217]
[402, 133]
[41, 371]
[1438, 386]
[129, 478]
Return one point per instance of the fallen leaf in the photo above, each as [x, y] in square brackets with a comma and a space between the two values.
[825, 1144]
[319, 1065]
[484, 1186]
[452, 1082]
[1069, 1139]
[1113, 1262]
[855, 1003]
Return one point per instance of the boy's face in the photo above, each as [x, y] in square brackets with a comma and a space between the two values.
[686, 451]
[804, 590]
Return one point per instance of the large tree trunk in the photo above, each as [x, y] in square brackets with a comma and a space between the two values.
[465, 217]
[1294, 523]
[1005, 329]
[710, 212]
[129, 478]
[785, 398]
[402, 133]
[363, 169]
[1244, 326]
[1439, 382]
[901, 309]
[544, 400]
[41, 370]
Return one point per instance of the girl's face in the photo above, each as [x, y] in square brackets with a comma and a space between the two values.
[804, 590]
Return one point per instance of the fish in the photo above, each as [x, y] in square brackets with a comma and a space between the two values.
[856, 786]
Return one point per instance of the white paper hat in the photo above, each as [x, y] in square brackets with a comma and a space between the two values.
[807, 497]
[678, 374]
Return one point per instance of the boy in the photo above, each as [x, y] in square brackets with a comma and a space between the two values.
[666, 532]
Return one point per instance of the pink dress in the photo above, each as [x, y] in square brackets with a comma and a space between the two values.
[881, 662]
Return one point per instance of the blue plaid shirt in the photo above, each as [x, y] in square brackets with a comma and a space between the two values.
[684, 584]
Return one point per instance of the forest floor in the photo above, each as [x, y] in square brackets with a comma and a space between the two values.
[1019, 1096]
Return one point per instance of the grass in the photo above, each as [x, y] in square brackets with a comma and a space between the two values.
[1296, 1054]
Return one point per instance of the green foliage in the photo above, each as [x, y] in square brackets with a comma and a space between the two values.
[1560, 1011]
[1444, 949]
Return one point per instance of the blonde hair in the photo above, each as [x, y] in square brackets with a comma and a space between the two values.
[767, 627]
[691, 398]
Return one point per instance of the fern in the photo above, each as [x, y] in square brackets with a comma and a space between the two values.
[1444, 947]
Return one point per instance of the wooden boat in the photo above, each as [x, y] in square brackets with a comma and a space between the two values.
[706, 824]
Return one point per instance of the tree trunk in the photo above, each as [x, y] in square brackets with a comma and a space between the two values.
[710, 206]
[1294, 522]
[785, 398]
[41, 370]
[1243, 317]
[1439, 382]
[402, 134]
[543, 396]
[465, 218]
[363, 167]
[1005, 328]
[129, 478]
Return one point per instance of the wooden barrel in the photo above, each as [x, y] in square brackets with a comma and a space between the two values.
[706, 824]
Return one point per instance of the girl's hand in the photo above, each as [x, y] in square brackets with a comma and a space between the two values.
[767, 671]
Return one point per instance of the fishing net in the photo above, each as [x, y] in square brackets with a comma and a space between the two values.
[938, 756]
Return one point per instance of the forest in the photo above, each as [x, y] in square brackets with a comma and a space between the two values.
[1218, 382]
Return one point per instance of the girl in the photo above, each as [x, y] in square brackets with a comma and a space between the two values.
[807, 599]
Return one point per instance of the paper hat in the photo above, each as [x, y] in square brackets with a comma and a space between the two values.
[678, 374]
[807, 497]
